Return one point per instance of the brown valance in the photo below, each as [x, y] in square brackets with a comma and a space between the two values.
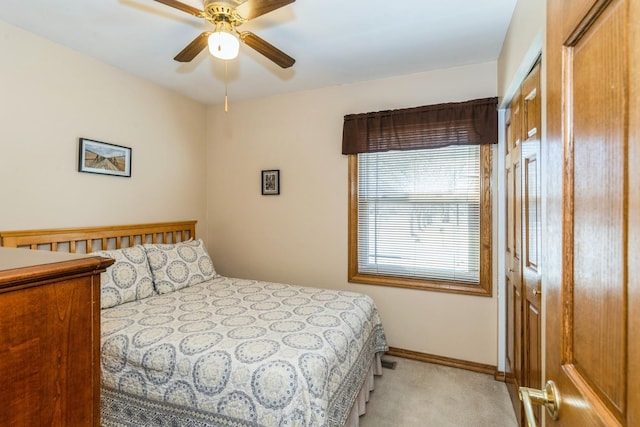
[432, 126]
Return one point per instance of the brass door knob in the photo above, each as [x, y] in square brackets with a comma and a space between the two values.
[548, 397]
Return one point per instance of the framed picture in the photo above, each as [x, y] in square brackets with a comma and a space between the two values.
[107, 159]
[271, 182]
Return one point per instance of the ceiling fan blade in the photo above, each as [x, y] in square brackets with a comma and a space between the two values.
[194, 48]
[267, 49]
[183, 7]
[257, 8]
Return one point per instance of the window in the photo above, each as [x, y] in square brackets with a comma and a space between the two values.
[418, 218]
[421, 217]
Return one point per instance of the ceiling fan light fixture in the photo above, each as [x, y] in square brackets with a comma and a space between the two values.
[223, 44]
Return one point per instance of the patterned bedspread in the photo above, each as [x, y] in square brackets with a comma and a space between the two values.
[234, 352]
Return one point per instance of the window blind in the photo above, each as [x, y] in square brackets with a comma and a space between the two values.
[419, 213]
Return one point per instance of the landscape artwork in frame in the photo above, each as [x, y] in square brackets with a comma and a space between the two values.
[271, 182]
[103, 158]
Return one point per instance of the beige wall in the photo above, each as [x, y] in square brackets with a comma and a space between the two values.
[521, 46]
[49, 97]
[300, 237]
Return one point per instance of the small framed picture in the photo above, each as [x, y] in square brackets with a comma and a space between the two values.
[103, 158]
[271, 182]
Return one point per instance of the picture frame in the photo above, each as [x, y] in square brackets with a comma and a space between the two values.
[271, 182]
[104, 158]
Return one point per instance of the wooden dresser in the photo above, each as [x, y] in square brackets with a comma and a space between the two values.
[49, 338]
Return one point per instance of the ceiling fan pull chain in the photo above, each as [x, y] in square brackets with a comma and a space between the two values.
[226, 71]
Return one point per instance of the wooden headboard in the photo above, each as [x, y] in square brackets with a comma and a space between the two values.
[89, 239]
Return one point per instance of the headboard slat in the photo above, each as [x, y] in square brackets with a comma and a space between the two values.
[58, 239]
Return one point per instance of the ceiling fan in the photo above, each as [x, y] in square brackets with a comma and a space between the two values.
[223, 41]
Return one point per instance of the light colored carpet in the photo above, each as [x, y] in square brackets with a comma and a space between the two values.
[418, 394]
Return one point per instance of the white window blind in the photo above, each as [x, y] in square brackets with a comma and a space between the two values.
[419, 214]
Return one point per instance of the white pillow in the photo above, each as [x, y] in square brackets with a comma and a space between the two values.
[127, 279]
[176, 266]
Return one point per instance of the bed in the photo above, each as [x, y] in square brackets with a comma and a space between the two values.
[184, 346]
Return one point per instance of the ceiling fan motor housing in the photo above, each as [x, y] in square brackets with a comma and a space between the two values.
[217, 11]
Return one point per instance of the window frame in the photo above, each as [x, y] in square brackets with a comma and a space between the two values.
[484, 288]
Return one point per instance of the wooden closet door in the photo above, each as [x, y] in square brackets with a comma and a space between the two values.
[531, 233]
[592, 279]
[523, 257]
[513, 257]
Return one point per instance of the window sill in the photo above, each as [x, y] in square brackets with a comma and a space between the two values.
[483, 290]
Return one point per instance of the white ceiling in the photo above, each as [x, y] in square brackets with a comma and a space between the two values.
[334, 42]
